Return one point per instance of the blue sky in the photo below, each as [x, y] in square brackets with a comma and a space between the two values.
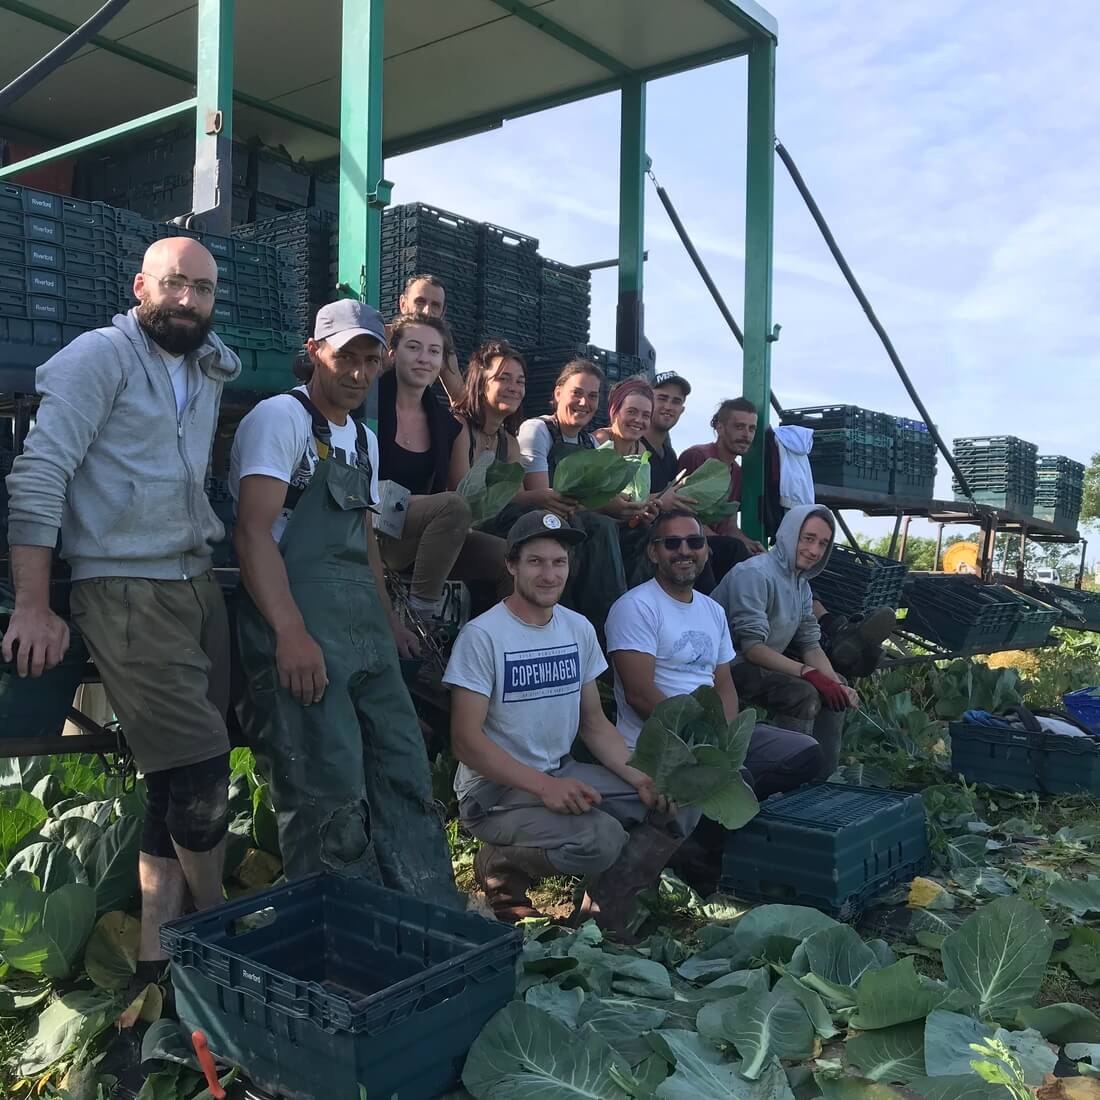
[954, 149]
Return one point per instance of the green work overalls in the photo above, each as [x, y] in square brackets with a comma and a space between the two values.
[348, 775]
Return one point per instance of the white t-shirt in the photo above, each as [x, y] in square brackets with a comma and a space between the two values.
[535, 443]
[177, 372]
[276, 435]
[688, 641]
[532, 677]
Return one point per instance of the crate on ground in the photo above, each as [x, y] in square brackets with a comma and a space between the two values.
[1084, 705]
[959, 613]
[382, 990]
[856, 582]
[830, 845]
[1049, 763]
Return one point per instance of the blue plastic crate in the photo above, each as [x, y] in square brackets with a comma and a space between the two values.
[330, 983]
[1049, 763]
[830, 845]
[1084, 705]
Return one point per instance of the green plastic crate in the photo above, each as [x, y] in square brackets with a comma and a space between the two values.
[829, 845]
[270, 371]
[1049, 763]
[330, 983]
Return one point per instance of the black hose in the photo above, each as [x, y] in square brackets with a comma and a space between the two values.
[61, 53]
[704, 274]
[876, 324]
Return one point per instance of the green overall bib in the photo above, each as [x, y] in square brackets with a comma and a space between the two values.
[348, 775]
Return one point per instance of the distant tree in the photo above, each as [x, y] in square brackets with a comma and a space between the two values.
[1090, 508]
[920, 552]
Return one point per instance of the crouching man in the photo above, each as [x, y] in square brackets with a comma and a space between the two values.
[523, 680]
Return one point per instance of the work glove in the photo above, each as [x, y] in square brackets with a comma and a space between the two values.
[833, 695]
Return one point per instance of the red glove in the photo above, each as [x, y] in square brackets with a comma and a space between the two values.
[834, 695]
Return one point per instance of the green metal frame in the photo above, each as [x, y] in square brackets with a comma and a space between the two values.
[363, 192]
[633, 164]
[759, 230]
[212, 191]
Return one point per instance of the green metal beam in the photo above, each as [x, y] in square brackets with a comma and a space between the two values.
[750, 17]
[27, 11]
[100, 138]
[759, 228]
[633, 164]
[212, 189]
[562, 35]
[363, 192]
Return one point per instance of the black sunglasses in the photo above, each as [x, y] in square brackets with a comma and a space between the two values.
[672, 542]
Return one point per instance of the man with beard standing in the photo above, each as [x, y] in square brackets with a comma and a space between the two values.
[116, 462]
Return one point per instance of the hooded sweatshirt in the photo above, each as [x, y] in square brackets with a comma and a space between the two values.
[767, 599]
[113, 465]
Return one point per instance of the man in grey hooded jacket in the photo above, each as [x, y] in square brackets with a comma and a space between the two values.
[116, 462]
[770, 609]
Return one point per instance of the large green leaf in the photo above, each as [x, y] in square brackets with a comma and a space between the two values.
[592, 477]
[716, 787]
[961, 1087]
[702, 1073]
[110, 957]
[815, 1008]
[660, 751]
[17, 995]
[709, 488]
[44, 933]
[890, 1054]
[895, 995]
[947, 1039]
[78, 834]
[837, 954]
[767, 1025]
[265, 826]
[1082, 954]
[1062, 1023]
[999, 956]
[1031, 1050]
[50, 862]
[489, 485]
[623, 1024]
[1081, 896]
[854, 1088]
[71, 1020]
[795, 922]
[523, 1051]
[20, 815]
[113, 871]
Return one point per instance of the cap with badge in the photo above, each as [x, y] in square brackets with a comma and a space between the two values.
[671, 378]
[542, 525]
[340, 322]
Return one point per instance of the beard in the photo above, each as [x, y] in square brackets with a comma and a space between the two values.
[158, 323]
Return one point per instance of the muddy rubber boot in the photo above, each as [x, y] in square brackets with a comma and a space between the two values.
[855, 647]
[505, 875]
[610, 896]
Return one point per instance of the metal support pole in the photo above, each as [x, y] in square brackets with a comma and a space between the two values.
[363, 191]
[212, 190]
[904, 543]
[759, 228]
[894, 536]
[939, 548]
[1023, 555]
[987, 548]
[629, 314]
[1081, 570]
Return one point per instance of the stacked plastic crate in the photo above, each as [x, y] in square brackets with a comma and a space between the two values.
[57, 277]
[913, 474]
[1000, 470]
[545, 363]
[1059, 488]
[856, 582]
[303, 240]
[420, 239]
[565, 304]
[853, 447]
[278, 184]
[509, 282]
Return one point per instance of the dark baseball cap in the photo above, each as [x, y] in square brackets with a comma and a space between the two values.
[542, 525]
[670, 378]
[340, 322]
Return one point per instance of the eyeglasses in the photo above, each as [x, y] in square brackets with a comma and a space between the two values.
[672, 543]
[177, 285]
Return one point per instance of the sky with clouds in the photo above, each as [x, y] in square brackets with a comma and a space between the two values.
[954, 150]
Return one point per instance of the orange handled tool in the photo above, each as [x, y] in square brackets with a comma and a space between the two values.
[206, 1060]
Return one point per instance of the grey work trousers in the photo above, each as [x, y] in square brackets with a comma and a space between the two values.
[576, 844]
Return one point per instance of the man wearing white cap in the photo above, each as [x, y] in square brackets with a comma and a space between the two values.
[325, 706]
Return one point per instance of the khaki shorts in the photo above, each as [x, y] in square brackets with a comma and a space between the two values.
[162, 650]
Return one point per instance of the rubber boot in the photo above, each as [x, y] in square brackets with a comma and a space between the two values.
[610, 896]
[505, 875]
[855, 648]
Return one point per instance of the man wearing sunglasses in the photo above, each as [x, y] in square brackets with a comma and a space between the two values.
[116, 462]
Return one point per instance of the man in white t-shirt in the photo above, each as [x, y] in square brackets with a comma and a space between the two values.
[325, 705]
[523, 686]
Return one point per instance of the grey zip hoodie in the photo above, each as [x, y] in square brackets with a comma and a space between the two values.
[111, 464]
[767, 600]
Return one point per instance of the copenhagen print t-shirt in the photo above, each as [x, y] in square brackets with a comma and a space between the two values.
[532, 677]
